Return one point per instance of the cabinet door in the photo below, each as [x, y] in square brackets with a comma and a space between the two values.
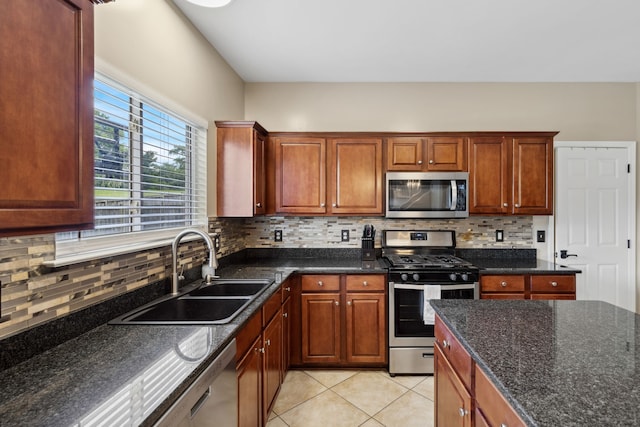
[321, 329]
[366, 328]
[490, 402]
[46, 124]
[286, 336]
[453, 402]
[489, 183]
[249, 372]
[446, 153]
[405, 154]
[300, 175]
[355, 176]
[533, 176]
[272, 361]
[241, 166]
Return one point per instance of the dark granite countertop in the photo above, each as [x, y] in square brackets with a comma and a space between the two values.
[75, 380]
[512, 261]
[559, 363]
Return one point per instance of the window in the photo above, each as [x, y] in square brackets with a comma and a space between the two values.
[150, 171]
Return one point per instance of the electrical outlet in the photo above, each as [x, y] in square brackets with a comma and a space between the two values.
[345, 235]
[212, 227]
[277, 236]
[499, 235]
[216, 242]
[540, 236]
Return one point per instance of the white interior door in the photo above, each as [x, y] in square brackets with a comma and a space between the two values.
[595, 218]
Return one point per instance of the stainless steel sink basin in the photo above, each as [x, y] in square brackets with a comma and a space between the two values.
[214, 303]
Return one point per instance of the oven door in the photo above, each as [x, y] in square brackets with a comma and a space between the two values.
[406, 305]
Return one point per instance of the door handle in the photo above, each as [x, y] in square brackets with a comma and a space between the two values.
[564, 254]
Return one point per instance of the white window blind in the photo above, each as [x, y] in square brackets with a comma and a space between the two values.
[150, 170]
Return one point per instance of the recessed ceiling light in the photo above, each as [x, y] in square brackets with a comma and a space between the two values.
[210, 3]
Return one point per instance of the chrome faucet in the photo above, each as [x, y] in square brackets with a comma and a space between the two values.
[209, 270]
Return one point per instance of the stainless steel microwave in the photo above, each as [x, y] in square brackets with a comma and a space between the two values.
[427, 194]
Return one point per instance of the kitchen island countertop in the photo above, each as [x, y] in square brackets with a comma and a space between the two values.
[558, 363]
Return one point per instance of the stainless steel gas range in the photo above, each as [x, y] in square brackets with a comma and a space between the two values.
[422, 266]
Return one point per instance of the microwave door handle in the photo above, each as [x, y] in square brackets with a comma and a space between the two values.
[454, 194]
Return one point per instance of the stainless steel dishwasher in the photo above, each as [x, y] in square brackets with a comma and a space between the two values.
[212, 399]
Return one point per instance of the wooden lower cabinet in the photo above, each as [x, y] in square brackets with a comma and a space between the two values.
[321, 328]
[453, 401]
[464, 396]
[528, 286]
[262, 355]
[342, 321]
[491, 405]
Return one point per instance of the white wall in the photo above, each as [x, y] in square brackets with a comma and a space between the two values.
[152, 43]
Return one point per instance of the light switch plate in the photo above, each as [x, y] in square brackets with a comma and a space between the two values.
[540, 236]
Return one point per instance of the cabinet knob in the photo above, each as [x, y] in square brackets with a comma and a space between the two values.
[334, 205]
[503, 284]
[503, 425]
[505, 204]
[322, 205]
[419, 162]
[348, 302]
[268, 342]
[288, 289]
[320, 283]
[258, 205]
[554, 284]
[337, 302]
[430, 162]
[517, 205]
[285, 315]
[259, 350]
[462, 412]
[365, 283]
[445, 344]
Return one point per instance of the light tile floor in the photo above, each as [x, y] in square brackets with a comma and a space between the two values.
[353, 398]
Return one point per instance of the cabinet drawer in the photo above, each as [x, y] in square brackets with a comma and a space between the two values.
[248, 334]
[454, 352]
[271, 307]
[365, 282]
[551, 284]
[316, 283]
[492, 405]
[502, 283]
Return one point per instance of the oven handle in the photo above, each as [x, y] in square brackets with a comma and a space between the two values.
[444, 287]
[454, 194]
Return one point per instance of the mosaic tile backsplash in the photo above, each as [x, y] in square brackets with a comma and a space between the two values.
[32, 294]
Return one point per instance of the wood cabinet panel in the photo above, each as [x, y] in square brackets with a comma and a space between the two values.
[457, 356]
[365, 282]
[365, 316]
[502, 283]
[248, 334]
[249, 372]
[355, 176]
[321, 328]
[272, 362]
[320, 282]
[300, 175]
[490, 402]
[553, 284]
[427, 153]
[446, 153]
[533, 176]
[488, 175]
[241, 169]
[453, 401]
[286, 336]
[405, 154]
[46, 124]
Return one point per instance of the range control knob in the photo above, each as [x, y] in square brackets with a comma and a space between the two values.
[404, 277]
[416, 277]
[465, 277]
[452, 277]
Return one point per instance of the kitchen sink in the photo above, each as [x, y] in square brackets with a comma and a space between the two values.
[215, 303]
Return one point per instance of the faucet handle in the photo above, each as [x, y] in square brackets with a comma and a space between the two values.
[181, 275]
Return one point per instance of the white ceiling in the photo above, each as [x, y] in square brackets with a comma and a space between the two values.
[425, 40]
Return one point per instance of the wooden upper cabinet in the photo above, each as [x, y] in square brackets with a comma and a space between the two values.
[432, 153]
[532, 175]
[355, 176]
[511, 174]
[488, 175]
[241, 169]
[46, 124]
[300, 175]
